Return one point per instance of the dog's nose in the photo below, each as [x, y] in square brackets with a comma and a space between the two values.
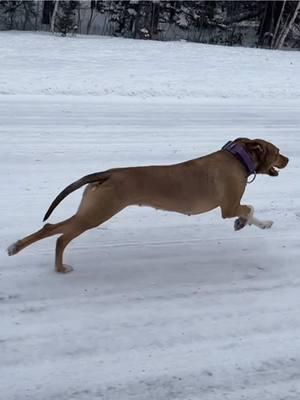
[285, 160]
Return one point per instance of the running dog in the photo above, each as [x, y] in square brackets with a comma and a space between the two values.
[192, 187]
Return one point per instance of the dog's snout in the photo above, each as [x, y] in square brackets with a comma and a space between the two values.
[283, 161]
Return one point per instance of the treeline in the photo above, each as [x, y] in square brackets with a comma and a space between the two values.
[271, 24]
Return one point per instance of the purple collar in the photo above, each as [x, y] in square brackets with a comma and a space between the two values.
[238, 152]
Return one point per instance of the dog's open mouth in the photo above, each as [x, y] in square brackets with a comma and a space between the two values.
[273, 171]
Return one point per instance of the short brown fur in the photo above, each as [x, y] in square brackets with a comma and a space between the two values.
[192, 187]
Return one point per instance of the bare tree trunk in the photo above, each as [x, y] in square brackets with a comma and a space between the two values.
[79, 19]
[52, 26]
[89, 25]
[285, 32]
[37, 15]
[103, 31]
[261, 27]
[285, 24]
[26, 6]
[278, 25]
[154, 20]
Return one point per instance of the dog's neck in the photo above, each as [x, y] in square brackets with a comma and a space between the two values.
[242, 155]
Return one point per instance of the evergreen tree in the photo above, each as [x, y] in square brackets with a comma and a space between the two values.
[65, 20]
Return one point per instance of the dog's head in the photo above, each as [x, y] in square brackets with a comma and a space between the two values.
[266, 156]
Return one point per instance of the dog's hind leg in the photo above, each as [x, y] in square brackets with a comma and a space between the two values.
[99, 203]
[46, 231]
[61, 244]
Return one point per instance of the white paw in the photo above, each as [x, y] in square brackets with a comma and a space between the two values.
[265, 224]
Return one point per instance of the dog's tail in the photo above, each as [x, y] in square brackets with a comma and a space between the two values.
[95, 177]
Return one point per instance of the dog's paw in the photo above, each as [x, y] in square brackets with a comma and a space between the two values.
[265, 224]
[13, 249]
[64, 269]
[240, 223]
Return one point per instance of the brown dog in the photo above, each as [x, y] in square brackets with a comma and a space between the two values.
[192, 187]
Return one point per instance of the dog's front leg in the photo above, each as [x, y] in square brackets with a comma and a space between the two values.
[266, 224]
[245, 216]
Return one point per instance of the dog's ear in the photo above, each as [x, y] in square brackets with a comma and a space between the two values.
[242, 139]
[257, 148]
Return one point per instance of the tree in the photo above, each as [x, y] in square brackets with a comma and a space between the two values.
[92, 7]
[288, 26]
[271, 24]
[47, 12]
[53, 17]
[65, 16]
[276, 23]
[9, 8]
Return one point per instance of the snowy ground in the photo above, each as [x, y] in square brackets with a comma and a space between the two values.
[160, 306]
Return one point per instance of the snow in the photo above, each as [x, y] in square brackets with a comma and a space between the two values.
[113, 66]
[160, 305]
